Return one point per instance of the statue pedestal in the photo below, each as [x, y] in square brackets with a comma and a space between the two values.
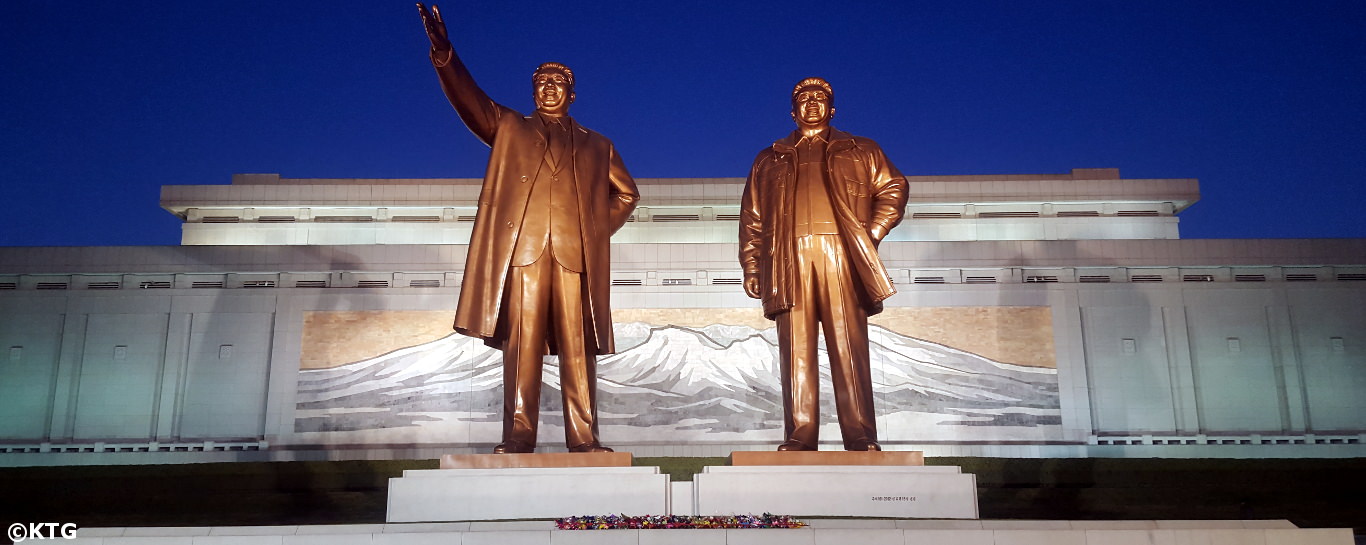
[827, 458]
[521, 486]
[543, 460]
[835, 483]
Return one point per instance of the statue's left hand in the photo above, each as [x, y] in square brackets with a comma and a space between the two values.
[876, 233]
[752, 287]
[436, 27]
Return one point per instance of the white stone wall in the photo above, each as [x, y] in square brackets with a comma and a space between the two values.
[140, 366]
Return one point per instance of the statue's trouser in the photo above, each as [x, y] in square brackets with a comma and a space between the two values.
[544, 298]
[825, 291]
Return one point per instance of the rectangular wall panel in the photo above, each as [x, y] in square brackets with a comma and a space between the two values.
[1331, 337]
[120, 376]
[1126, 360]
[1236, 384]
[29, 346]
[225, 384]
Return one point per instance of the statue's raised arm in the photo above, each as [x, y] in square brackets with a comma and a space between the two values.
[478, 111]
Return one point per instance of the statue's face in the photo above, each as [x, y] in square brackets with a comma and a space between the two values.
[811, 107]
[551, 90]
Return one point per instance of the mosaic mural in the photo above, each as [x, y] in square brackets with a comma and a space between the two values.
[675, 380]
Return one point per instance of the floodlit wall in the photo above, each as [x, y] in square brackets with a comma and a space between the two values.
[209, 348]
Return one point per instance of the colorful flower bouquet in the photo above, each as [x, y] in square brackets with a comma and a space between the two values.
[672, 522]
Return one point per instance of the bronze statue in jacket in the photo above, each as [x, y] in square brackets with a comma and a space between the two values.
[815, 206]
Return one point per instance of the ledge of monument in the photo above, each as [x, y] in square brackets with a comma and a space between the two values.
[545, 459]
[827, 458]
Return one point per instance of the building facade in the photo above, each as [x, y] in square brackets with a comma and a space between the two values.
[1036, 315]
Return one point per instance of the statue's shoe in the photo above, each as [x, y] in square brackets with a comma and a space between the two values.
[590, 447]
[513, 447]
[793, 446]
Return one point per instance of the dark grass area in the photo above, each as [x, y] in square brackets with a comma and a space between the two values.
[218, 494]
[1310, 493]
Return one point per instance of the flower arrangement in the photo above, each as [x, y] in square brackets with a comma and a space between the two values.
[673, 522]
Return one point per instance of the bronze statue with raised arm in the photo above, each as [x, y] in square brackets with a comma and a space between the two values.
[815, 207]
[537, 272]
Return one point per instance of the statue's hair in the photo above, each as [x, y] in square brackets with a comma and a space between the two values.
[819, 82]
[556, 66]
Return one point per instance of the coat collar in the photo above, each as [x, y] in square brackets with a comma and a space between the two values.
[546, 119]
[576, 131]
[839, 141]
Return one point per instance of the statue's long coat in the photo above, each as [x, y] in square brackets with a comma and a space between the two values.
[607, 195]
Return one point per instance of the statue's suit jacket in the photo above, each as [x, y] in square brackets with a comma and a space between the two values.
[867, 193]
[607, 195]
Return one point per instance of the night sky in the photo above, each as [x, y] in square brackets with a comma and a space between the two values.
[1263, 102]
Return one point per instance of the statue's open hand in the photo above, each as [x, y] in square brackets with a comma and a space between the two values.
[752, 287]
[436, 27]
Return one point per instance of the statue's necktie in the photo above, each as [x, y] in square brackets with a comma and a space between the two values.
[557, 140]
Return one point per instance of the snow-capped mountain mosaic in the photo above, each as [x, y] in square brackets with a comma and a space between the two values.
[717, 383]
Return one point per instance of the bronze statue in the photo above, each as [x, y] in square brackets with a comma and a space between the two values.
[537, 272]
[815, 206]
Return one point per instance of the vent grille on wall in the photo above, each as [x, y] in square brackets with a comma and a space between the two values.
[417, 219]
[1301, 277]
[980, 280]
[1094, 278]
[928, 280]
[676, 282]
[103, 285]
[155, 284]
[1351, 276]
[1078, 214]
[1008, 215]
[1197, 278]
[9, 285]
[666, 218]
[221, 219]
[466, 219]
[276, 219]
[310, 284]
[424, 283]
[51, 285]
[372, 284]
[343, 219]
[727, 217]
[1249, 278]
[1145, 278]
[1040, 279]
[626, 282]
[1137, 214]
[216, 284]
[727, 281]
[258, 284]
[936, 215]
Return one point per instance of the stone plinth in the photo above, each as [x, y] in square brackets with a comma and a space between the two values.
[443, 495]
[548, 459]
[826, 458]
[835, 483]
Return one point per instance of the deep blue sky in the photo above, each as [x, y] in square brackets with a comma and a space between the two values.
[104, 102]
